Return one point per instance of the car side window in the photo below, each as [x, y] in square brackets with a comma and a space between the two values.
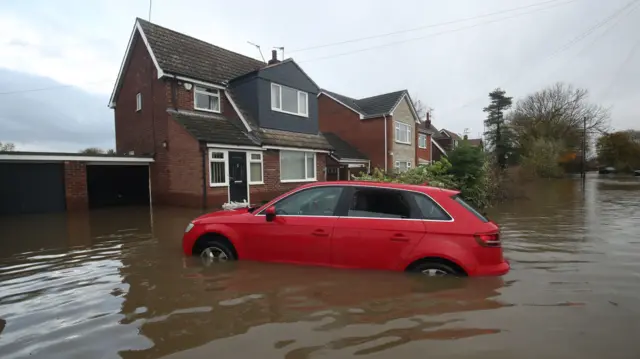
[319, 201]
[379, 203]
[430, 209]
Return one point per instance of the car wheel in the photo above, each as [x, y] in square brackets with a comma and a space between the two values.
[214, 252]
[434, 269]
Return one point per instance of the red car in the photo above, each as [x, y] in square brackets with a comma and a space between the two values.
[356, 225]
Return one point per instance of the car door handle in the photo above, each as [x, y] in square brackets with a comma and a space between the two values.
[320, 233]
[399, 237]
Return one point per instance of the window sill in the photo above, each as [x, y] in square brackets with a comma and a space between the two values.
[255, 183]
[403, 143]
[424, 148]
[298, 181]
[290, 113]
[205, 110]
[212, 185]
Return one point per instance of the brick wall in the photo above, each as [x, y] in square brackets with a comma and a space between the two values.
[365, 135]
[75, 186]
[423, 153]
[273, 187]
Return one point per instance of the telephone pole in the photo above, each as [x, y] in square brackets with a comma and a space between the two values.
[584, 149]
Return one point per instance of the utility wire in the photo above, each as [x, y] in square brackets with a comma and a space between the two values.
[620, 68]
[424, 27]
[567, 45]
[50, 88]
[436, 33]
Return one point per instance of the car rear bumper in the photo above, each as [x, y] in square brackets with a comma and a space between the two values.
[494, 270]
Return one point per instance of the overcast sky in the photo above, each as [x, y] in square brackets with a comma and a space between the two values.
[450, 67]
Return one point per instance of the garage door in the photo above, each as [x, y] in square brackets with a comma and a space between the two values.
[113, 185]
[31, 188]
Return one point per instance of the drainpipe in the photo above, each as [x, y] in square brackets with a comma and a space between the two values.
[386, 152]
[204, 177]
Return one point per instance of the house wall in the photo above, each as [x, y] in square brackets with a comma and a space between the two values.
[246, 95]
[269, 118]
[423, 153]
[271, 172]
[401, 151]
[365, 135]
[446, 143]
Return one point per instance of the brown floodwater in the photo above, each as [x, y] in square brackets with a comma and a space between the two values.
[114, 283]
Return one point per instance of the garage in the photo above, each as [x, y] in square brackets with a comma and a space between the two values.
[31, 188]
[117, 185]
[32, 182]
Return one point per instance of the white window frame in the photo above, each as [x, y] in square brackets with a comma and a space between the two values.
[202, 90]
[408, 163]
[306, 179]
[250, 161]
[224, 160]
[279, 109]
[138, 102]
[422, 138]
[408, 130]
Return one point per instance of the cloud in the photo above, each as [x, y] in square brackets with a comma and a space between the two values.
[58, 119]
[452, 72]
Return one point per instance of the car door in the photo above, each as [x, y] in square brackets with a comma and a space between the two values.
[379, 227]
[301, 230]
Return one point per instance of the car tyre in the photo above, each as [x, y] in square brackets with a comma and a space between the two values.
[435, 269]
[215, 251]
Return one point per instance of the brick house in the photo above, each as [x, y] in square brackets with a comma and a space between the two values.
[221, 127]
[382, 128]
[448, 140]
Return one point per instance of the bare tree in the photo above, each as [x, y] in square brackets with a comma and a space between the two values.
[7, 147]
[421, 109]
[557, 113]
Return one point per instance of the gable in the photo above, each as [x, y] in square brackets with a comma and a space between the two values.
[405, 108]
[288, 73]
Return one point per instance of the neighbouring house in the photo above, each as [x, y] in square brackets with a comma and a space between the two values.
[428, 150]
[475, 142]
[448, 140]
[221, 127]
[382, 128]
[345, 160]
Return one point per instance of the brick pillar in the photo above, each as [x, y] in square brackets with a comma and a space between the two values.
[75, 185]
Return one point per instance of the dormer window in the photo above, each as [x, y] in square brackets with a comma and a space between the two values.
[205, 99]
[288, 100]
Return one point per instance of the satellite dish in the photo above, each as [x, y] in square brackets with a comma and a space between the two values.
[187, 86]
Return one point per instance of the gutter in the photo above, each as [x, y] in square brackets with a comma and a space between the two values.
[386, 152]
[204, 176]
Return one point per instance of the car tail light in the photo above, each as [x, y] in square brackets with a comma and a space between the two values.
[488, 239]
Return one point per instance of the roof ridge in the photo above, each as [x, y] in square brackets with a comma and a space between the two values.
[383, 94]
[195, 38]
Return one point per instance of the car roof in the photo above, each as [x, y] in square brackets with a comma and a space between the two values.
[403, 186]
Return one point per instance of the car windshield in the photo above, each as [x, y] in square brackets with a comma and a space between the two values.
[469, 208]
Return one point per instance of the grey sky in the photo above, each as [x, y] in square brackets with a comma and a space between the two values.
[451, 68]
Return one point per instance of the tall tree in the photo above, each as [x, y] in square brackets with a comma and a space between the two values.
[619, 149]
[7, 147]
[557, 113]
[496, 132]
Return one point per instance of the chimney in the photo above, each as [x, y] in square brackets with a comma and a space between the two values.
[274, 58]
[427, 122]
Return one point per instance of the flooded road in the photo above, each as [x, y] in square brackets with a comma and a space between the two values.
[113, 283]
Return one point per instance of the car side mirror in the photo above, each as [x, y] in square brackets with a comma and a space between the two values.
[270, 213]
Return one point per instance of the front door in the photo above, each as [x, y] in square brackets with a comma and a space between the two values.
[238, 177]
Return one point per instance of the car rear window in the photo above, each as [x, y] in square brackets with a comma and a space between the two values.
[464, 204]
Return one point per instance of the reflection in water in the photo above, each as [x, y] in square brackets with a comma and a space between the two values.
[113, 284]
